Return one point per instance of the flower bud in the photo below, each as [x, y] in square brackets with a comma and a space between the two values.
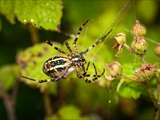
[157, 50]
[145, 72]
[120, 38]
[139, 45]
[138, 29]
[115, 69]
[120, 41]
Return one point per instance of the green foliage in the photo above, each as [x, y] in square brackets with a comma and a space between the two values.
[31, 61]
[8, 10]
[40, 13]
[9, 74]
[147, 15]
[67, 112]
[71, 112]
[131, 90]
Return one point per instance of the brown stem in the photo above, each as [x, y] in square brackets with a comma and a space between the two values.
[151, 94]
[156, 107]
[156, 114]
[8, 103]
[47, 103]
[34, 34]
[158, 86]
[14, 92]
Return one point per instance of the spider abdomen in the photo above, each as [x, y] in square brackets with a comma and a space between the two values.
[56, 66]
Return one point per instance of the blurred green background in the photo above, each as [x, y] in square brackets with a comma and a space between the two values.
[22, 51]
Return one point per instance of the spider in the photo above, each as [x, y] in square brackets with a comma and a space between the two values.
[58, 67]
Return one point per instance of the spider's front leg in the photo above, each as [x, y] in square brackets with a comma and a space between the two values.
[41, 81]
[95, 76]
[56, 48]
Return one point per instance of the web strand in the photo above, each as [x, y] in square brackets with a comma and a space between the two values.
[118, 17]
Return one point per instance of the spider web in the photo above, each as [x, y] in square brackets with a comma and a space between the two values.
[113, 24]
[115, 21]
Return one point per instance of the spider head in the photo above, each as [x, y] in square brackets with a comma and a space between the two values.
[78, 58]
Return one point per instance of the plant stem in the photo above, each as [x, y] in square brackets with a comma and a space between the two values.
[8, 103]
[151, 94]
[47, 103]
[129, 48]
[156, 114]
[156, 107]
[34, 34]
[158, 86]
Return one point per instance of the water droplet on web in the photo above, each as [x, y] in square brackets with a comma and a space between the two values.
[109, 101]
[25, 20]
[32, 20]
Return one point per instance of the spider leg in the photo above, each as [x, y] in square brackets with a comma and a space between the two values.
[40, 81]
[96, 43]
[62, 75]
[95, 69]
[84, 71]
[68, 47]
[56, 48]
[96, 76]
[87, 66]
[78, 74]
[77, 36]
[85, 75]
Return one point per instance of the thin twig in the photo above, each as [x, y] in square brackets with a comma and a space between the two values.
[47, 103]
[156, 107]
[14, 93]
[8, 103]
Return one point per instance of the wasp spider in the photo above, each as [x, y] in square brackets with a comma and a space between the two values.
[58, 67]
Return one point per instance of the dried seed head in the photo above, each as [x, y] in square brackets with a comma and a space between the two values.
[120, 38]
[138, 29]
[157, 50]
[139, 45]
[145, 72]
[115, 69]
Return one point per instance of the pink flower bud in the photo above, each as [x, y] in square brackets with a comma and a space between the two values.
[139, 45]
[138, 29]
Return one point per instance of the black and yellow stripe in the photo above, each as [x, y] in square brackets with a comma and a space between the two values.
[56, 48]
[77, 36]
[96, 43]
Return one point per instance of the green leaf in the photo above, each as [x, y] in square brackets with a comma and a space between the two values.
[131, 90]
[128, 68]
[70, 112]
[67, 112]
[6, 8]
[31, 62]
[40, 13]
[8, 75]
